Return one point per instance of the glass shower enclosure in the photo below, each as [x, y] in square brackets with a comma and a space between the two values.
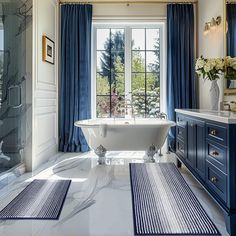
[15, 81]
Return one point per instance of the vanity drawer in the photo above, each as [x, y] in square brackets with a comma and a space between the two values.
[217, 155]
[216, 180]
[216, 133]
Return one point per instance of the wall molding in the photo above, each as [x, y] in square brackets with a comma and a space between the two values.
[45, 84]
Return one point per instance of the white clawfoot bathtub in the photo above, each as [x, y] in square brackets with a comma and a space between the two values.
[125, 134]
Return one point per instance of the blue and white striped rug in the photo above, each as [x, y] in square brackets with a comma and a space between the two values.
[163, 203]
[41, 199]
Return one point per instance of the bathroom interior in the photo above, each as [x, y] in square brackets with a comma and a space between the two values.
[107, 96]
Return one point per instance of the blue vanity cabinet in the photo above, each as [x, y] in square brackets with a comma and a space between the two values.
[190, 143]
[208, 150]
[200, 149]
[181, 141]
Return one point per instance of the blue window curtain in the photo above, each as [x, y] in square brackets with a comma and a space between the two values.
[181, 85]
[231, 34]
[75, 81]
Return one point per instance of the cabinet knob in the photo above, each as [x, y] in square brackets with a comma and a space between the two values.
[214, 180]
[215, 153]
[213, 132]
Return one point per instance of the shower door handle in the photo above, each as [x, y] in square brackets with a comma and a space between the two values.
[14, 96]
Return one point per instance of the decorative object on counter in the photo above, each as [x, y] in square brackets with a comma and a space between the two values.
[214, 95]
[225, 106]
[228, 106]
[233, 106]
[211, 69]
[48, 49]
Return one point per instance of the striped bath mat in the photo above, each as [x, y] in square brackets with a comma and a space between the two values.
[163, 203]
[41, 199]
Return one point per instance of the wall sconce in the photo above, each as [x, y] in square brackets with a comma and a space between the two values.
[207, 28]
[212, 24]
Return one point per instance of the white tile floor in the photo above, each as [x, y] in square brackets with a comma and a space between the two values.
[99, 199]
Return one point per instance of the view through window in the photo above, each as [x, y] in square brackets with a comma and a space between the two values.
[127, 68]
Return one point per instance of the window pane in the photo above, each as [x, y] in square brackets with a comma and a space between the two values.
[138, 101]
[118, 60]
[103, 38]
[103, 65]
[138, 82]
[103, 85]
[103, 106]
[153, 64]
[118, 84]
[118, 106]
[145, 69]
[138, 61]
[153, 81]
[117, 39]
[152, 39]
[153, 105]
[138, 39]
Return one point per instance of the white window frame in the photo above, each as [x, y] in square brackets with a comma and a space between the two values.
[127, 24]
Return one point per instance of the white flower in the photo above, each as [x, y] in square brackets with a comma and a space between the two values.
[210, 68]
[231, 62]
[220, 64]
[200, 63]
[207, 67]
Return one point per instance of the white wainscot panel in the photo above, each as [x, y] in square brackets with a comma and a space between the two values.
[45, 133]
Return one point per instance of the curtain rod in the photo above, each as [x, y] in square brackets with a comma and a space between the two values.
[127, 2]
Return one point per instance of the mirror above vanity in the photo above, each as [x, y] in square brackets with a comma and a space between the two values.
[230, 46]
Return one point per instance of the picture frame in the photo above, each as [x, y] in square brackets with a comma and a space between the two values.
[48, 49]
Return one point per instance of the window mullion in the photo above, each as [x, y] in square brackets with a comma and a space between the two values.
[128, 40]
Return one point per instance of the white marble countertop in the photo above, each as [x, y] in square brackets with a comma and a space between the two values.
[228, 117]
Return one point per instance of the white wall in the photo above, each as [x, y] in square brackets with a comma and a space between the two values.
[45, 108]
[211, 45]
[132, 10]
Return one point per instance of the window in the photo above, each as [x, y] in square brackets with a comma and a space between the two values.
[128, 67]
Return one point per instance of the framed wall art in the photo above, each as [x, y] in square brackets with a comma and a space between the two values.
[48, 50]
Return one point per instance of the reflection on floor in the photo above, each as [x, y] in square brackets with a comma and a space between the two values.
[99, 199]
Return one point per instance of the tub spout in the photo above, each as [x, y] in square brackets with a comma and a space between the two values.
[101, 153]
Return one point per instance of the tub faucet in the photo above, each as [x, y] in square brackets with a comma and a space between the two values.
[161, 115]
[129, 108]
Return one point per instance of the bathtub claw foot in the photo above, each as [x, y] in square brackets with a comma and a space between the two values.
[151, 153]
[101, 153]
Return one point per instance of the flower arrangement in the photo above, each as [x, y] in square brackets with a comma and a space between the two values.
[230, 65]
[210, 68]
